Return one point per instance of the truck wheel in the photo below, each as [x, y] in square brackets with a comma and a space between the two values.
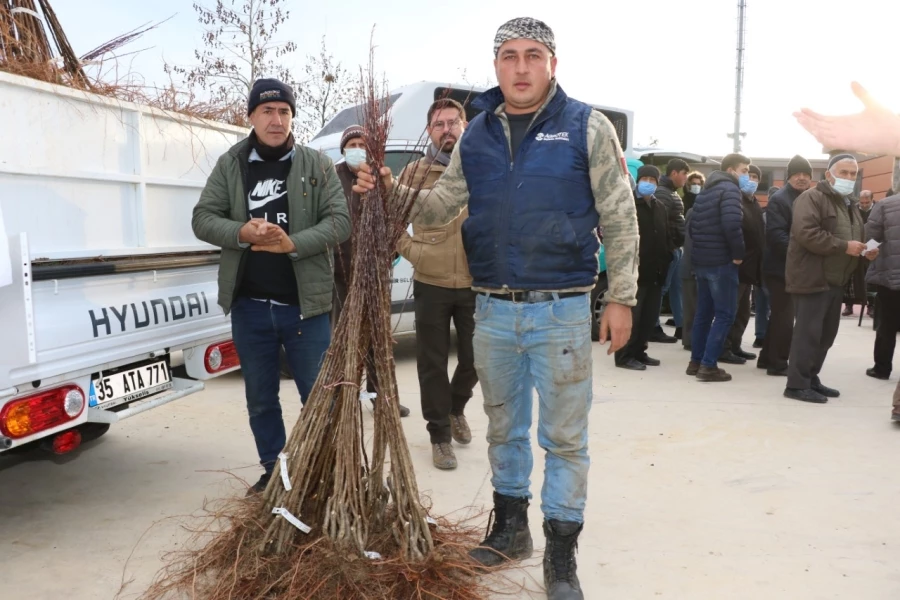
[597, 295]
[284, 367]
[92, 431]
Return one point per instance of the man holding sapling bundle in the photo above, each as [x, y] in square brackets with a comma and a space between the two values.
[442, 288]
[276, 210]
[353, 149]
[547, 168]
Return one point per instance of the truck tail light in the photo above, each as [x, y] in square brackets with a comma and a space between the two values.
[66, 441]
[39, 412]
[221, 357]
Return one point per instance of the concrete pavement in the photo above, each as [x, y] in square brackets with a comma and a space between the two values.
[697, 491]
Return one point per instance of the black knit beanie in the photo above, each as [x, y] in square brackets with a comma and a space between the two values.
[271, 90]
[798, 164]
[756, 171]
[648, 171]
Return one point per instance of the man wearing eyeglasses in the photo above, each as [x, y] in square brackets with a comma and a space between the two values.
[442, 288]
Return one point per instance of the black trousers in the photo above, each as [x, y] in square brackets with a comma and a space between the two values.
[442, 396]
[777, 345]
[886, 333]
[818, 319]
[741, 319]
[643, 322]
[340, 297]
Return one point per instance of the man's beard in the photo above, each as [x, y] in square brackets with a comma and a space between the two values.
[448, 144]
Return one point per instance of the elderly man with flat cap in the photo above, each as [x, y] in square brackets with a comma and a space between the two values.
[824, 250]
[539, 171]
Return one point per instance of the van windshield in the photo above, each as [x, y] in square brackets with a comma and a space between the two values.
[353, 115]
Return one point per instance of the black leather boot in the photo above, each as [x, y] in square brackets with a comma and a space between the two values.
[560, 578]
[509, 538]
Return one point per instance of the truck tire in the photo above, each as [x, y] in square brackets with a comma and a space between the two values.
[92, 431]
[597, 295]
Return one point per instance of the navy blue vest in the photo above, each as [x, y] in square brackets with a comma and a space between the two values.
[532, 223]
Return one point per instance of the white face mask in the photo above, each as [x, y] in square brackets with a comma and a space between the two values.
[695, 189]
[355, 156]
[844, 187]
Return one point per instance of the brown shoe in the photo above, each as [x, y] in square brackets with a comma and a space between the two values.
[712, 374]
[459, 429]
[442, 456]
[692, 369]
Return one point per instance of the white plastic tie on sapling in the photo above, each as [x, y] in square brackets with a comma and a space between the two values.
[284, 472]
[431, 521]
[373, 556]
[283, 512]
[363, 396]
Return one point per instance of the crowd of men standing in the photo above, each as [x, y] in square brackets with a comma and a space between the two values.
[799, 259]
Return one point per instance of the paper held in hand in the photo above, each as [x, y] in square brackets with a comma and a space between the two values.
[871, 245]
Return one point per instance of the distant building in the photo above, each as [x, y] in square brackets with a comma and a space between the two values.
[876, 173]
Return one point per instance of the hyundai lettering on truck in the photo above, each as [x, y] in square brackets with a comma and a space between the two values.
[107, 300]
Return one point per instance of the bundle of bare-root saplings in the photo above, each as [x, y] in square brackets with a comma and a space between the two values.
[335, 522]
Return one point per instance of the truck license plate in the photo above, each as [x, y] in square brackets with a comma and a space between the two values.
[131, 384]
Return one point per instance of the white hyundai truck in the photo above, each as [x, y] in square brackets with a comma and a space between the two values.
[107, 300]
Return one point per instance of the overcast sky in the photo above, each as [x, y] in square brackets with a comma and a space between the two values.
[671, 62]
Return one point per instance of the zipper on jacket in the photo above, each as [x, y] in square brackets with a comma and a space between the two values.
[511, 185]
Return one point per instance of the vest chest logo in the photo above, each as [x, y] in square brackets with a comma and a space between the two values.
[562, 136]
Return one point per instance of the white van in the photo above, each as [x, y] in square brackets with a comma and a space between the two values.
[408, 141]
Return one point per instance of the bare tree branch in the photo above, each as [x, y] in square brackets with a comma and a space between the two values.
[328, 87]
[239, 47]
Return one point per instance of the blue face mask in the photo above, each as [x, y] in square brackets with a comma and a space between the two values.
[749, 187]
[645, 188]
[355, 156]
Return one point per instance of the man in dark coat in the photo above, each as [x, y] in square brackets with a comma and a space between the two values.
[749, 272]
[667, 193]
[655, 257]
[779, 216]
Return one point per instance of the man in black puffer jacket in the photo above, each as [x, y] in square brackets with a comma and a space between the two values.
[717, 251]
[779, 217]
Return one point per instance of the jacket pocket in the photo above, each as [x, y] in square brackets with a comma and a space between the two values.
[429, 253]
[479, 238]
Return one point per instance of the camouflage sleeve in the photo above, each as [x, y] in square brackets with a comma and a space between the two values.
[615, 205]
[404, 244]
[442, 203]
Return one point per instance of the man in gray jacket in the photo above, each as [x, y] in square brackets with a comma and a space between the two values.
[883, 226]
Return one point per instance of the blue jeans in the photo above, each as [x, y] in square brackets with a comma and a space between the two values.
[547, 346]
[761, 299]
[673, 287]
[717, 295]
[259, 330]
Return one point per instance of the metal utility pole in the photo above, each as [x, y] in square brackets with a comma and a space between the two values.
[739, 76]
